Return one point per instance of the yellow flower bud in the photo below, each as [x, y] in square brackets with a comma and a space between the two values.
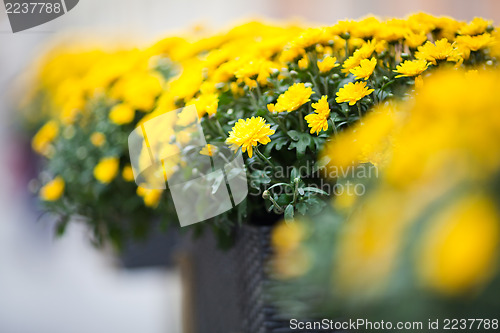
[105, 171]
[53, 190]
[98, 139]
[122, 114]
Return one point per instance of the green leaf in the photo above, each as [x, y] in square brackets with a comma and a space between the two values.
[304, 140]
[61, 226]
[295, 135]
[276, 143]
[302, 208]
[259, 177]
[315, 190]
[277, 184]
[284, 199]
[318, 143]
[270, 208]
[289, 212]
[262, 112]
[217, 183]
[233, 173]
[314, 205]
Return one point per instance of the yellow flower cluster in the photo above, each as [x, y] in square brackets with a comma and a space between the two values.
[293, 260]
[241, 71]
[438, 156]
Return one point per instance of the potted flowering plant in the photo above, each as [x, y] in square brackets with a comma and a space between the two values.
[91, 99]
[426, 232]
[275, 93]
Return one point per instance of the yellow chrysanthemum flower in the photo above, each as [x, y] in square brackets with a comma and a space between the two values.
[98, 139]
[411, 68]
[475, 27]
[53, 190]
[128, 173]
[467, 232]
[296, 96]
[353, 92]
[139, 89]
[350, 63]
[247, 133]
[475, 43]
[364, 52]
[365, 69]
[252, 71]
[185, 118]
[206, 103]
[208, 150]
[151, 197]
[419, 82]
[322, 107]
[287, 236]
[292, 258]
[441, 50]
[44, 137]
[105, 171]
[327, 64]
[415, 40]
[318, 121]
[122, 114]
[304, 62]
[367, 49]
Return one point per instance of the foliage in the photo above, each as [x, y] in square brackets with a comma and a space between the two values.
[307, 85]
[426, 231]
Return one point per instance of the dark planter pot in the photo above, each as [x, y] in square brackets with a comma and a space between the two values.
[157, 250]
[227, 288]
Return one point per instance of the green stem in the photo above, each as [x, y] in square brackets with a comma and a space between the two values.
[257, 151]
[295, 191]
[318, 87]
[276, 205]
[255, 101]
[301, 116]
[334, 127]
[359, 111]
[325, 84]
[379, 96]
[280, 124]
[375, 99]
[219, 127]
[259, 92]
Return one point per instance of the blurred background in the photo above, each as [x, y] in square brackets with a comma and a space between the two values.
[50, 285]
